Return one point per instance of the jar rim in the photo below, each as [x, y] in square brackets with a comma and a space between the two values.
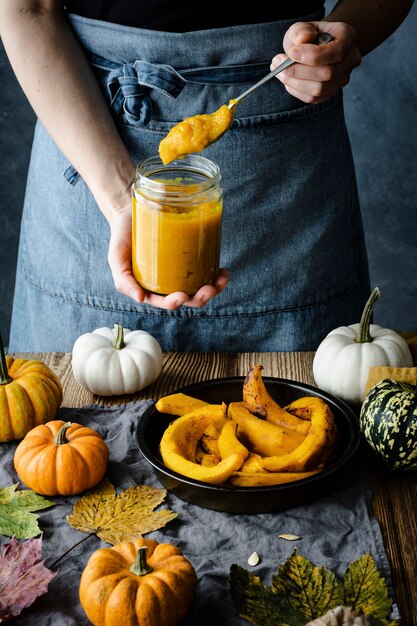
[153, 165]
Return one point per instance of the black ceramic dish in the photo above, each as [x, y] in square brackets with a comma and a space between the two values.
[249, 499]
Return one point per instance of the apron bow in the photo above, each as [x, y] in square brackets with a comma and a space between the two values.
[128, 88]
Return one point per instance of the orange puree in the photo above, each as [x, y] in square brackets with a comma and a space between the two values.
[175, 249]
[195, 133]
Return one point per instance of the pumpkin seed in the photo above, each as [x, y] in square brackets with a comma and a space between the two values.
[289, 537]
[253, 559]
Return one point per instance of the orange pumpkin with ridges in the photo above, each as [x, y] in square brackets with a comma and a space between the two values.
[60, 458]
[30, 394]
[137, 583]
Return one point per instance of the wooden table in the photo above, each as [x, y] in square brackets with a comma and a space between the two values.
[395, 495]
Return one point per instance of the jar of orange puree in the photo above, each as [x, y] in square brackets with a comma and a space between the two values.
[177, 211]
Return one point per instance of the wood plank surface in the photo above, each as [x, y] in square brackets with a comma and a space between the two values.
[395, 495]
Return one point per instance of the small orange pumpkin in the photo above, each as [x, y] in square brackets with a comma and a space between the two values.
[30, 394]
[60, 458]
[139, 582]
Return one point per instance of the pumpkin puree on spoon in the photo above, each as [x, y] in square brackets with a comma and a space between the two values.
[195, 133]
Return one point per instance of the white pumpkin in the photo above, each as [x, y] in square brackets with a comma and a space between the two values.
[114, 362]
[342, 361]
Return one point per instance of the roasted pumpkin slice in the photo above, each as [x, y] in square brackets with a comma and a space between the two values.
[178, 404]
[179, 442]
[319, 443]
[264, 479]
[261, 436]
[258, 401]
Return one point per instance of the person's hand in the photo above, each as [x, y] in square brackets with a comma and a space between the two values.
[119, 258]
[320, 71]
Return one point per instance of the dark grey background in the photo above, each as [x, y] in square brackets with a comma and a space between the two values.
[381, 112]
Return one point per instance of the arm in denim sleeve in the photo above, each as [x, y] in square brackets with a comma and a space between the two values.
[58, 82]
[54, 74]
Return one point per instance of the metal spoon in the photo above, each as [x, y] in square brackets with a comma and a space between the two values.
[320, 40]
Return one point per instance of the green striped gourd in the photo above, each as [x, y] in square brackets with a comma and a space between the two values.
[388, 420]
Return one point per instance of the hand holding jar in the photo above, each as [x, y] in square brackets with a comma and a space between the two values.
[176, 230]
[120, 261]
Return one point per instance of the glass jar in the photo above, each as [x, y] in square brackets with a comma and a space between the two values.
[177, 211]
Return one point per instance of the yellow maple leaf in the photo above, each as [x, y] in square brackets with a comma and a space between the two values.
[120, 517]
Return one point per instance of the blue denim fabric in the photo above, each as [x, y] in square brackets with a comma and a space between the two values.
[128, 86]
[292, 232]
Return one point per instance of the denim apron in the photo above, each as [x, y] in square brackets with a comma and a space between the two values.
[292, 233]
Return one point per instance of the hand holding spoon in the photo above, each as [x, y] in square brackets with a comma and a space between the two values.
[196, 133]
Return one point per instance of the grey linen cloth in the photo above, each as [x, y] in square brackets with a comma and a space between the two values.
[335, 530]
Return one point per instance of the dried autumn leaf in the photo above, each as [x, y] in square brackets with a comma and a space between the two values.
[300, 592]
[120, 517]
[257, 603]
[311, 590]
[16, 512]
[366, 589]
[23, 576]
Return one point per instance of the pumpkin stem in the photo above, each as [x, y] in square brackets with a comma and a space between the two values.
[364, 335]
[119, 337]
[141, 567]
[5, 379]
[61, 436]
